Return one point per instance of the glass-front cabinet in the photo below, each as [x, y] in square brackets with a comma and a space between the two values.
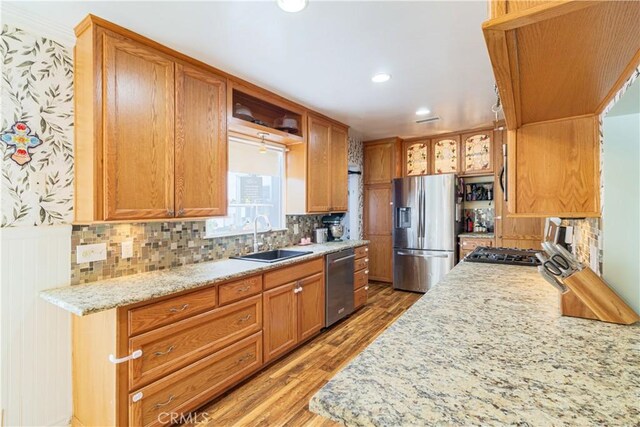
[477, 153]
[416, 157]
[446, 155]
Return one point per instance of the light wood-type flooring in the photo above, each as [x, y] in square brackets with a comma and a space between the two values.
[279, 395]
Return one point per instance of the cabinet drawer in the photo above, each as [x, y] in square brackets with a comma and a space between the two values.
[285, 275]
[470, 244]
[360, 297]
[361, 264]
[164, 312]
[361, 251]
[170, 348]
[360, 279]
[189, 388]
[240, 289]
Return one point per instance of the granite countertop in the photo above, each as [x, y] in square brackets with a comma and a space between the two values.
[477, 235]
[107, 294]
[487, 346]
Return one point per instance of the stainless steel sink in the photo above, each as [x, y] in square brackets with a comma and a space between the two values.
[272, 256]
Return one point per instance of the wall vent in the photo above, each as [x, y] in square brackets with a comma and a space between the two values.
[428, 120]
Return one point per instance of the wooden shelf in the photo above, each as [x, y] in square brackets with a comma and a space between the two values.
[562, 59]
[267, 111]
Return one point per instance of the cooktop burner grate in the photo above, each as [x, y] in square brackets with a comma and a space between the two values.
[509, 256]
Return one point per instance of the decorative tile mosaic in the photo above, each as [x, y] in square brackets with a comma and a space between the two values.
[162, 245]
[417, 159]
[445, 156]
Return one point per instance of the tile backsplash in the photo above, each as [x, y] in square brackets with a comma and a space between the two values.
[161, 245]
[587, 234]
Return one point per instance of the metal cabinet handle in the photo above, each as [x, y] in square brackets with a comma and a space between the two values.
[135, 355]
[297, 290]
[160, 405]
[244, 318]
[137, 397]
[178, 310]
[504, 177]
[344, 258]
[366, 288]
[366, 272]
[180, 212]
[244, 358]
[366, 249]
[171, 212]
[162, 353]
[244, 288]
[366, 260]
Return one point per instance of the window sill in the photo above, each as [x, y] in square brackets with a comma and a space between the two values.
[244, 233]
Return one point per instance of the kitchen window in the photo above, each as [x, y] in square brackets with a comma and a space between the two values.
[255, 186]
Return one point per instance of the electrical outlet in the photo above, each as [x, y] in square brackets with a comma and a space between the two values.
[91, 253]
[38, 182]
[593, 258]
[296, 229]
[127, 249]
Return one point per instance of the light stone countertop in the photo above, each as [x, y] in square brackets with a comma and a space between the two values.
[487, 346]
[111, 293]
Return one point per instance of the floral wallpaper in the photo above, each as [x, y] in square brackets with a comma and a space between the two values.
[355, 158]
[37, 90]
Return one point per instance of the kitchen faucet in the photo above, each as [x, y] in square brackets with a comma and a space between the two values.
[256, 247]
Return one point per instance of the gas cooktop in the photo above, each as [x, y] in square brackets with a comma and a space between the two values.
[510, 256]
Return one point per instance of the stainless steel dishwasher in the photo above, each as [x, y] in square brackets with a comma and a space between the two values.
[339, 286]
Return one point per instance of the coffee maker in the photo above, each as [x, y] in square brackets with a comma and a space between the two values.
[333, 223]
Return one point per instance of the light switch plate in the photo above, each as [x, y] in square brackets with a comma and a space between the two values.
[593, 258]
[296, 229]
[91, 253]
[127, 249]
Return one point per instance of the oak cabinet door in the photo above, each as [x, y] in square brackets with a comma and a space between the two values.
[138, 131]
[339, 170]
[201, 143]
[377, 210]
[310, 306]
[380, 258]
[319, 182]
[478, 153]
[379, 163]
[280, 320]
[446, 155]
[416, 158]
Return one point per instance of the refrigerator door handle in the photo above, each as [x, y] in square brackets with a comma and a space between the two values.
[423, 255]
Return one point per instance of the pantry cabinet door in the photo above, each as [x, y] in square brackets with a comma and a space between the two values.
[339, 170]
[138, 130]
[319, 167]
[477, 153]
[201, 143]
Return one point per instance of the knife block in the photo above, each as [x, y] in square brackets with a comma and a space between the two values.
[590, 297]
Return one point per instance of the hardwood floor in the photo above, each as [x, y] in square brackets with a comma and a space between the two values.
[279, 395]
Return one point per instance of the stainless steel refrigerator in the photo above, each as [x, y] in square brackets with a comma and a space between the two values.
[426, 222]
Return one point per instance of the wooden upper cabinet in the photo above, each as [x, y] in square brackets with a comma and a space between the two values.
[380, 166]
[446, 154]
[477, 153]
[319, 166]
[201, 143]
[150, 129]
[339, 169]
[416, 158]
[138, 130]
[553, 169]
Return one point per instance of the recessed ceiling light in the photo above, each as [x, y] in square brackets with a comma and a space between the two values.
[292, 5]
[381, 78]
[423, 112]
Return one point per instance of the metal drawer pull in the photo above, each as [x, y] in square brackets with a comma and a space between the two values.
[160, 405]
[366, 288]
[244, 288]
[162, 353]
[135, 355]
[244, 358]
[297, 290]
[366, 260]
[177, 310]
[366, 272]
[244, 318]
[366, 249]
[137, 397]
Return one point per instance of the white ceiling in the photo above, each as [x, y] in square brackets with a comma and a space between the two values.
[324, 57]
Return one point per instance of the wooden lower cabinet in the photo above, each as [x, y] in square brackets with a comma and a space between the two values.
[468, 244]
[189, 388]
[281, 318]
[190, 348]
[380, 258]
[361, 277]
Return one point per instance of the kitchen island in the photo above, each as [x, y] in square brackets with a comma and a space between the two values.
[487, 346]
